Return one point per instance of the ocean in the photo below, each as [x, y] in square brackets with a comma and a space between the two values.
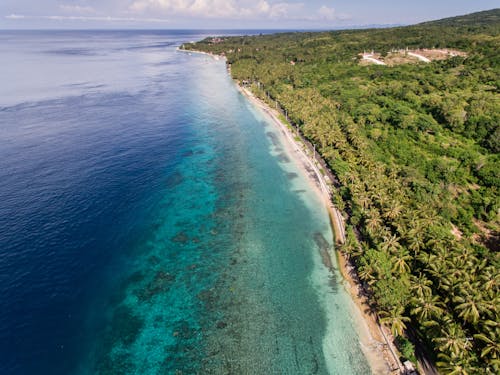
[152, 221]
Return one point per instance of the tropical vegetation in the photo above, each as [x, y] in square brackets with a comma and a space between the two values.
[415, 151]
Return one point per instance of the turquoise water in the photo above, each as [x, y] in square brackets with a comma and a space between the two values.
[188, 240]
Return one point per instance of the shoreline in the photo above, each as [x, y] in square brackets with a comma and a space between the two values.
[378, 350]
[375, 347]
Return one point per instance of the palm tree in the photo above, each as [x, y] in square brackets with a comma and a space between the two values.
[468, 307]
[491, 347]
[395, 320]
[400, 262]
[415, 240]
[426, 259]
[393, 210]
[382, 233]
[380, 196]
[429, 217]
[363, 200]
[367, 273]
[490, 277]
[453, 365]
[421, 285]
[427, 307]
[351, 245]
[373, 221]
[452, 339]
[390, 243]
[465, 260]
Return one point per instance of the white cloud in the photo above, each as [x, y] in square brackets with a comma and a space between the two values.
[270, 11]
[286, 10]
[87, 18]
[15, 16]
[327, 13]
[76, 9]
[218, 8]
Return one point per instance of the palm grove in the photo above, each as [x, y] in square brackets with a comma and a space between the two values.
[415, 149]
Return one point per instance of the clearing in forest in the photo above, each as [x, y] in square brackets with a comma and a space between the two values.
[407, 56]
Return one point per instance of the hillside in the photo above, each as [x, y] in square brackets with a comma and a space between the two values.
[415, 149]
[484, 18]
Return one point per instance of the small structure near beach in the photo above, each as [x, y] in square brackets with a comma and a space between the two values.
[409, 369]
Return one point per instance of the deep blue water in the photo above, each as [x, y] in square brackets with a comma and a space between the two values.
[151, 220]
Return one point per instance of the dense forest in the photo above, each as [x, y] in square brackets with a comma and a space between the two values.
[415, 148]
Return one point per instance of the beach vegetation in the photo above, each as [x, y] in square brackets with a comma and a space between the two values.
[407, 349]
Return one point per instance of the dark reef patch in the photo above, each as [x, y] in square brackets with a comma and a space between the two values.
[161, 283]
[283, 158]
[181, 238]
[274, 138]
[324, 248]
[174, 180]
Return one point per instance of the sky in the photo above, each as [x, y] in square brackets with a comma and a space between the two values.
[227, 14]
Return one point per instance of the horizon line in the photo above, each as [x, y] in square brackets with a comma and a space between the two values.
[347, 27]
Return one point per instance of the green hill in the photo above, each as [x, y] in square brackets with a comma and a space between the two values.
[415, 149]
[487, 17]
